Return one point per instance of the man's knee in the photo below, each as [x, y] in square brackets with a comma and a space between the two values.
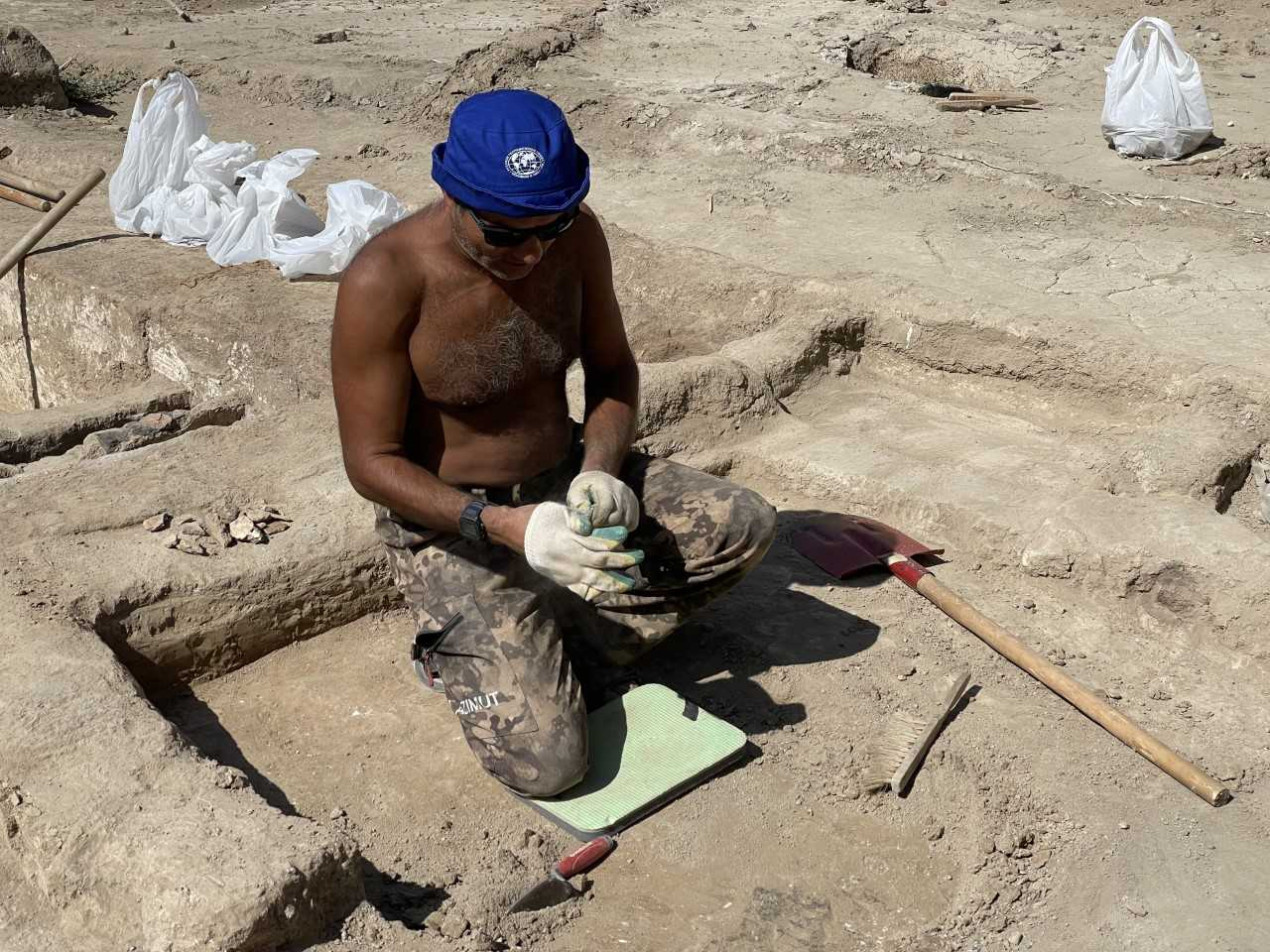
[541, 764]
[756, 518]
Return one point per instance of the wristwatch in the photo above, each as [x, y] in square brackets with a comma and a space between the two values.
[470, 525]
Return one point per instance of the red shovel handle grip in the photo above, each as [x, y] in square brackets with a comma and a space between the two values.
[586, 857]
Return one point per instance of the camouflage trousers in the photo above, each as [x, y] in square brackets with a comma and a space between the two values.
[509, 663]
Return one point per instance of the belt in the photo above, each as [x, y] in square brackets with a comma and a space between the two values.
[536, 487]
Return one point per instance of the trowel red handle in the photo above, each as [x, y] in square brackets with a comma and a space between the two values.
[1057, 680]
[586, 857]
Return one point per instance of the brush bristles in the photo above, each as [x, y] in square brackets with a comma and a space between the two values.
[887, 751]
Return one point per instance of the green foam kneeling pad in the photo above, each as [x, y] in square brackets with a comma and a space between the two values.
[646, 748]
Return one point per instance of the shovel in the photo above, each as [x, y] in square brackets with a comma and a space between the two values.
[556, 888]
[843, 545]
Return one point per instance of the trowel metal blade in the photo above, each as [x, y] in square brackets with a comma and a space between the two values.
[550, 892]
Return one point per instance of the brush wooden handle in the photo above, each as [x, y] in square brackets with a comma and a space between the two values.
[904, 774]
[1057, 680]
[51, 218]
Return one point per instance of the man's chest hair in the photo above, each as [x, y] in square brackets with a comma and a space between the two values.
[479, 348]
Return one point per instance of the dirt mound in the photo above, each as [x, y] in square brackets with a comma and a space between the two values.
[28, 72]
[978, 61]
[508, 62]
[1241, 161]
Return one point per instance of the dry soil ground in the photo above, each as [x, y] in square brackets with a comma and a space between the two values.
[987, 329]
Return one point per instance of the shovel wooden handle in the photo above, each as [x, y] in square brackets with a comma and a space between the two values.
[1057, 680]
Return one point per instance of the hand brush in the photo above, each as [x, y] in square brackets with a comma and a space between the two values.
[895, 754]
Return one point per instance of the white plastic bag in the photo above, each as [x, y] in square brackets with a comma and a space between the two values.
[268, 210]
[218, 164]
[355, 211]
[1155, 104]
[156, 155]
[174, 181]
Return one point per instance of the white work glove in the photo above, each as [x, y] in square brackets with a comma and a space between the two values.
[587, 565]
[604, 499]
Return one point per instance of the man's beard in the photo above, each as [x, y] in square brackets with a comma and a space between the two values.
[469, 249]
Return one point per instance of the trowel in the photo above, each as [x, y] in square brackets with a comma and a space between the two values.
[556, 888]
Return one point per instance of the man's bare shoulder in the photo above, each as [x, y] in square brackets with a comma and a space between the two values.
[396, 260]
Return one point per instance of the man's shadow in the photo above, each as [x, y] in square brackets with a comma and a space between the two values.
[768, 621]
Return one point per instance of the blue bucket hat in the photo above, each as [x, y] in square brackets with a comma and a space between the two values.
[511, 152]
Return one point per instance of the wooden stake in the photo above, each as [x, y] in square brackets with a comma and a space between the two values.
[50, 219]
[34, 186]
[22, 198]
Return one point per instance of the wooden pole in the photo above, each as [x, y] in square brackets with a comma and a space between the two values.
[22, 198]
[50, 219]
[34, 186]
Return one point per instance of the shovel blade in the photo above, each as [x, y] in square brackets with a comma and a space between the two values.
[843, 544]
[550, 892]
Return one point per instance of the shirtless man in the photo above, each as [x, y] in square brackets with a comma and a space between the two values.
[529, 547]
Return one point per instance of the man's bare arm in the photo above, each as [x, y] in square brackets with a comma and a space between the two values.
[375, 314]
[612, 375]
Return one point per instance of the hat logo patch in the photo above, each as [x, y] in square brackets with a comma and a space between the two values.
[524, 162]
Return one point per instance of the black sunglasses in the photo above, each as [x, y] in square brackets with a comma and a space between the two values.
[500, 236]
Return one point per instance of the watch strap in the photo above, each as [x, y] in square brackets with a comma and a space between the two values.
[470, 525]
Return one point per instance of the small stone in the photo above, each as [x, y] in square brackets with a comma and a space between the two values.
[171, 44]
[1248, 75]
[170, 540]
[184, 518]
[157, 523]
[1230, 123]
[244, 530]
[338, 813]
[1215, 37]
[193, 530]
[15, 798]
[1135, 907]
[276, 528]
[328, 97]
[434, 919]
[1015, 938]
[259, 515]
[125, 32]
[163, 420]
[454, 925]
[230, 778]
[1124, 826]
[332, 36]
[219, 530]
[190, 546]
[1028, 605]
[935, 834]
